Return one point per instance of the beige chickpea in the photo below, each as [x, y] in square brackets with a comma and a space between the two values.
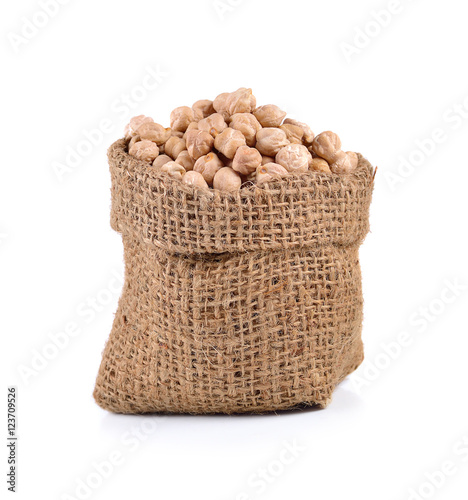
[135, 138]
[319, 165]
[144, 150]
[354, 158]
[239, 101]
[177, 133]
[247, 124]
[344, 163]
[228, 141]
[213, 124]
[154, 132]
[191, 126]
[161, 160]
[195, 179]
[269, 115]
[270, 172]
[199, 143]
[207, 166]
[202, 109]
[174, 146]
[181, 118]
[135, 122]
[226, 179]
[270, 140]
[308, 135]
[173, 169]
[294, 158]
[184, 159]
[267, 159]
[219, 104]
[293, 133]
[246, 160]
[327, 145]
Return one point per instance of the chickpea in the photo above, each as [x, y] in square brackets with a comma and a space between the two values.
[144, 150]
[344, 163]
[192, 126]
[270, 172]
[228, 141]
[207, 166]
[135, 122]
[294, 158]
[161, 160]
[354, 158]
[181, 117]
[270, 140]
[184, 159]
[246, 160]
[327, 145]
[195, 179]
[202, 109]
[173, 169]
[177, 133]
[247, 124]
[269, 115]
[213, 124]
[319, 165]
[293, 133]
[199, 143]
[267, 159]
[308, 136]
[135, 138]
[227, 180]
[174, 146]
[219, 104]
[240, 101]
[154, 132]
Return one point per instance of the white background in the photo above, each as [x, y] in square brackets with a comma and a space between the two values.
[393, 423]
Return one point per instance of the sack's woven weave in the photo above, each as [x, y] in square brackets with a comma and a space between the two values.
[245, 302]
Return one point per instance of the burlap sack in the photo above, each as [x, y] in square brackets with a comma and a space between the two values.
[247, 302]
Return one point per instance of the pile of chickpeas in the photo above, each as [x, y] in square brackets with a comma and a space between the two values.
[230, 142]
